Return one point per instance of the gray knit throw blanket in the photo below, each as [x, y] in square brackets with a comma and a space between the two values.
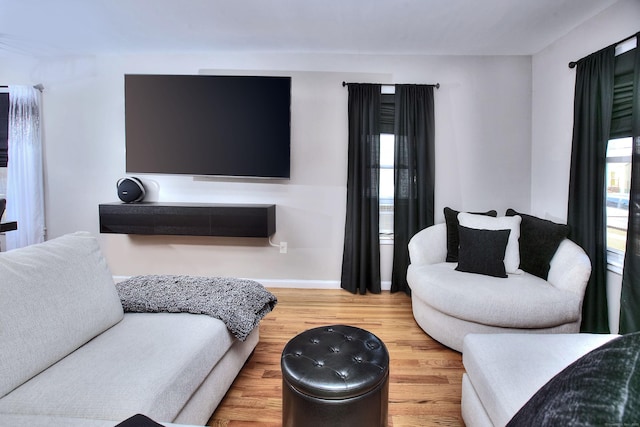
[240, 304]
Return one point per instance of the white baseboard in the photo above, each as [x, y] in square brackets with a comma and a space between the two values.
[305, 284]
[309, 284]
[288, 283]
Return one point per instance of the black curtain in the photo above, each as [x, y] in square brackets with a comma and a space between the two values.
[630, 298]
[587, 187]
[361, 256]
[414, 173]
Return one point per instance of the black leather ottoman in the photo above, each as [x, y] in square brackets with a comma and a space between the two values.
[335, 376]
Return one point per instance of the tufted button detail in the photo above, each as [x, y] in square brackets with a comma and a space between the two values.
[372, 345]
[334, 349]
[357, 359]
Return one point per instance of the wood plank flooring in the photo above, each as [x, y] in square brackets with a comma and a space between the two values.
[425, 377]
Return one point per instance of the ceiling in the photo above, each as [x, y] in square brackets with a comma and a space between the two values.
[428, 27]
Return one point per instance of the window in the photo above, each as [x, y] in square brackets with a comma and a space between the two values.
[619, 151]
[618, 176]
[387, 147]
[386, 184]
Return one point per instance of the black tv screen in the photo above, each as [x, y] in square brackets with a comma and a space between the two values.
[237, 126]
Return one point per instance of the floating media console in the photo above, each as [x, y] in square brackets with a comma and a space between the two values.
[188, 219]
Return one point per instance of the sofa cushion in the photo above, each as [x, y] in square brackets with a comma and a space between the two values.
[539, 240]
[507, 369]
[148, 363]
[54, 297]
[453, 240]
[520, 301]
[575, 395]
[512, 255]
[482, 251]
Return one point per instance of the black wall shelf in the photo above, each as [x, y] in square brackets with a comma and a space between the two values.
[8, 226]
[188, 219]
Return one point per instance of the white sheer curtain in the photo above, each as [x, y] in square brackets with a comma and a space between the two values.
[25, 195]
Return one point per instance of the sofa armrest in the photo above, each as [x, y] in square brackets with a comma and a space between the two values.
[429, 246]
[570, 268]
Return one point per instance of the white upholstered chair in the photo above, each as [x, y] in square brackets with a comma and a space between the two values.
[448, 304]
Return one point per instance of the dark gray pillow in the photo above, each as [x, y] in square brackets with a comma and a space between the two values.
[453, 241]
[482, 251]
[602, 388]
[139, 420]
[539, 240]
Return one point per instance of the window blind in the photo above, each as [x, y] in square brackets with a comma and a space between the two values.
[622, 95]
[4, 129]
[387, 112]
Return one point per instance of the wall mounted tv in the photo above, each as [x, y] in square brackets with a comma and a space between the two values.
[235, 126]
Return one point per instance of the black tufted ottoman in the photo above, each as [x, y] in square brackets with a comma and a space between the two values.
[335, 376]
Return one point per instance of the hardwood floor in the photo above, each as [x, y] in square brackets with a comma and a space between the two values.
[425, 377]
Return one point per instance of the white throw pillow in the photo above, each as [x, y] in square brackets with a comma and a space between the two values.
[483, 222]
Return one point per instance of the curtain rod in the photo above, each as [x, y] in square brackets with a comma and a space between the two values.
[39, 86]
[437, 85]
[573, 64]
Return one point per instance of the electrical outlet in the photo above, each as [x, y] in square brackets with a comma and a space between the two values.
[283, 247]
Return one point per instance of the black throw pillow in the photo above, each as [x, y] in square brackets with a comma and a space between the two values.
[453, 241]
[482, 251]
[139, 420]
[602, 388]
[539, 240]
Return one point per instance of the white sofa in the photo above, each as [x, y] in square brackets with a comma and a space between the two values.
[448, 304]
[503, 371]
[70, 356]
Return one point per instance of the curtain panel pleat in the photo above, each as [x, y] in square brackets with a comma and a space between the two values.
[414, 173]
[630, 296]
[586, 207]
[361, 255]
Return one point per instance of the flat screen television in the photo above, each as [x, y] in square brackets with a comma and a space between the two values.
[233, 126]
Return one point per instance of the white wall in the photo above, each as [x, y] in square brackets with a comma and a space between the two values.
[483, 146]
[17, 70]
[552, 120]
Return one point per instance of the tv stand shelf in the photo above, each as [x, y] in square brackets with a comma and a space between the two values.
[188, 219]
